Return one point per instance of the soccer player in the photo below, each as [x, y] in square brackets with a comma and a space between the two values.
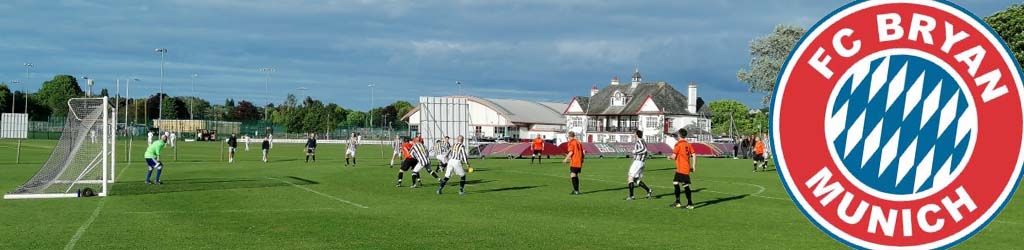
[149, 137]
[456, 157]
[271, 138]
[575, 160]
[636, 170]
[232, 145]
[310, 147]
[350, 152]
[441, 149]
[266, 148]
[759, 155]
[682, 154]
[153, 159]
[422, 161]
[538, 147]
[173, 140]
[408, 161]
[247, 139]
[396, 147]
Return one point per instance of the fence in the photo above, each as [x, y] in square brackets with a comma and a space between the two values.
[187, 129]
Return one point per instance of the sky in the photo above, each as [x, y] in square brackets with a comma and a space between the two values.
[333, 50]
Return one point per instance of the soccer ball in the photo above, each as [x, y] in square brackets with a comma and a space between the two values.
[470, 169]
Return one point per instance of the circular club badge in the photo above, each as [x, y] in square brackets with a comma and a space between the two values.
[898, 124]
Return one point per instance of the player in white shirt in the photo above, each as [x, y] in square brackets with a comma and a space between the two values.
[441, 149]
[174, 140]
[247, 139]
[456, 157]
[350, 152]
[149, 138]
[419, 151]
[636, 170]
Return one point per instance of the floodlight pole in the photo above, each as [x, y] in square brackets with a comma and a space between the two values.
[28, 78]
[160, 112]
[191, 101]
[370, 112]
[268, 70]
[12, 94]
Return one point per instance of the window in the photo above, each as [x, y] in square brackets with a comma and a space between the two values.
[652, 122]
[624, 138]
[668, 125]
[618, 99]
[478, 131]
[575, 122]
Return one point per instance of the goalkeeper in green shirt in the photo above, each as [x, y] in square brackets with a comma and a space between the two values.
[153, 159]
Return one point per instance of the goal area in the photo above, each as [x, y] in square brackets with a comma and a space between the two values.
[82, 159]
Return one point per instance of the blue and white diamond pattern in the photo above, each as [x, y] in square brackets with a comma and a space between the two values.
[900, 124]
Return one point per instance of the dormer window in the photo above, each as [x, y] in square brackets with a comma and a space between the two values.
[618, 99]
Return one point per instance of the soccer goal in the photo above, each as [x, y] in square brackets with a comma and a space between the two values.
[83, 158]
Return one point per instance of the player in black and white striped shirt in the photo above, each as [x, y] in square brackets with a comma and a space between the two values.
[458, 155]
[441, 149]
[636, 170]
[423, 161]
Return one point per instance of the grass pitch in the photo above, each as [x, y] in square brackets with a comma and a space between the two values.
[206, 203]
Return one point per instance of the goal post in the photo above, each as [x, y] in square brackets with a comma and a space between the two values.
[82, 158]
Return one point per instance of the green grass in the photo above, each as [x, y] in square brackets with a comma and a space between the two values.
[287, 204]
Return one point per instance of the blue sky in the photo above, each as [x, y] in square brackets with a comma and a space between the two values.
[538, 50]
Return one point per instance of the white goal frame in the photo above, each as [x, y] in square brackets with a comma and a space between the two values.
[104, 159]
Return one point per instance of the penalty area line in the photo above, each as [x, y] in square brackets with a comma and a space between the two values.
[319, 193]
[85, 226]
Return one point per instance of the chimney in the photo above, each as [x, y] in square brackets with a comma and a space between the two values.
[691, 99]
[615, 80]
[593, 91]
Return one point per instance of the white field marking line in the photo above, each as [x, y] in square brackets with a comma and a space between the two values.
[1008, 223]
[233, 211]
[81, 230]
[593, 179]
[321, 194]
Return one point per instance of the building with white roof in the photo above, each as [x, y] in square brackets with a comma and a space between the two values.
[508, 119]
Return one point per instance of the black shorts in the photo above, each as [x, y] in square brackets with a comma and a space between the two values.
[409, 164]
[759, 157]
[536, 152]
[575, 170]
[682, 178]
[310, 151]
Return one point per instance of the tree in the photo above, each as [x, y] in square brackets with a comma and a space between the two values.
[245, 111]
[55, 93]
[723, 111]
[1009, 23]
[104, 92]
[768, 53]
[174, 108]
[355, 119]
[5, 98]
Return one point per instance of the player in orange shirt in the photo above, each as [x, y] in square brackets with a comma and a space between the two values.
[409, 161]
[538, 147]
[575, 160]
[682, 154]
[759, 155]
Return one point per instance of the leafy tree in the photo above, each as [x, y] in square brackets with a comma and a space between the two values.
[355, 119]
[5, 98]
[723, 111]
[245, 111]
[104, 92]
[55, 93]
[1009, 23]
[768, 53]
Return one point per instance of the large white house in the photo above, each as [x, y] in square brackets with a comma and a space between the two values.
[611, 114]
[508, 119]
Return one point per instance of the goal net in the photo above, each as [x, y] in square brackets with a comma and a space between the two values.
[83, 157]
